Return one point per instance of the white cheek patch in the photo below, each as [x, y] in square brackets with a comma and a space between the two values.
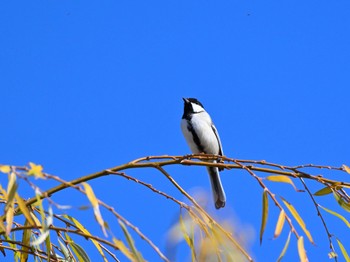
[197, 108]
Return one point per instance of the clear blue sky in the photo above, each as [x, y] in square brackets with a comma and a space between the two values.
[90, 85]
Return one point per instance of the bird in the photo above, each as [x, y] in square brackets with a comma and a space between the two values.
[202, 137]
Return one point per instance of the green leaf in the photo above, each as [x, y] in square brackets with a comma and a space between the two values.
[65, 251]
[131, 242]
[298, 218]
[265, 211]
[336, 214]
[343, 251]
[79, 252]
[85, 231]
[342, 202]
[324, 191]
[284, 248]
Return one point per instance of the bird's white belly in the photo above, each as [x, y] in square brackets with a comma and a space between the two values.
[205, 134]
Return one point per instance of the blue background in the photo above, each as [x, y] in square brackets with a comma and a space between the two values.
[90, 85]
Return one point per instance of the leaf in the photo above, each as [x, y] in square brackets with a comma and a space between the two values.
[5, 169]
[41, 238]
[79, 252]
[301, 250]
[342, 202]
[23, 207]
[189, 239]
[280, 224]
[283, 179]
[65, 251]
[298, 219]
[94, 202]
[265, 211]
[324, 191]
[11, 189]
[131, 243]
[35, 170]
[343, 251]
[2, 226]
[26, 242]
[337, 215]
[346, 168]
[86, 232]
[121, 246]
[9, 218]
[284, 248]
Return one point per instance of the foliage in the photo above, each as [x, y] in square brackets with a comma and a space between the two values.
[30, 228]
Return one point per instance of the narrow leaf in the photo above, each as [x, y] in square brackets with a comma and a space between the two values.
[121, 246]
[25, 242]
[24, 209]
[86, 232]
[131, 242]
[284, 250]
[337, 215]
[280, 224]
[343, 251]
[301, 250]
[265, 211]
[11, 189]
[5, 169]
[65, 251]
[342, 202]
[79, 252]
[298, 219]
[9, 219]
[346, 168]
[324, 191]
[41, 238]
[94, 202]
[283, 179]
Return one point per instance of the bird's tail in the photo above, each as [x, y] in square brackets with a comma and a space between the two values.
[218, 190]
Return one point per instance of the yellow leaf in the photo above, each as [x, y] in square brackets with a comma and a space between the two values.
[343, 251]
[26, 242]
[324, 191]
[5, 169]
[346, 168]
[301, 250]
[283, 179]
[94, 201]
[9, 218]
[337, 215]
[284, 248]
[11, 189]
[36, 170]
[121, 246]
[280, 224]
[24, 209]
[90, 194]
[265, 211]
[2, 227]
[298, 219]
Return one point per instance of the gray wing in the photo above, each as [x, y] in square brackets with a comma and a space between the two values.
[221, 153]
